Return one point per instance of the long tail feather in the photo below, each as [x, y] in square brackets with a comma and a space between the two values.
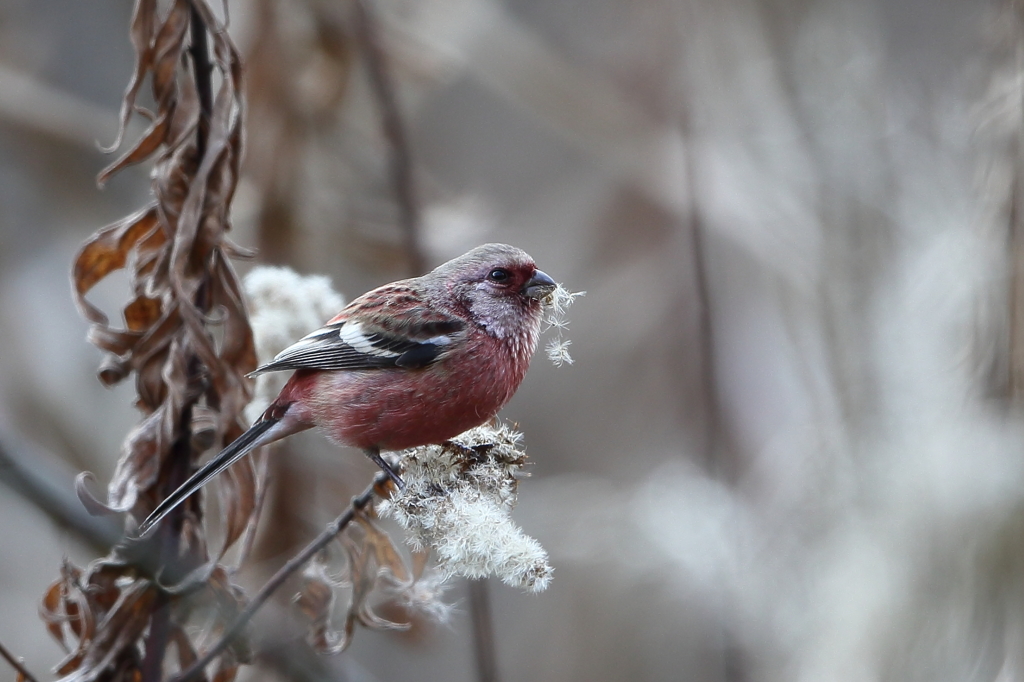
[228, 456]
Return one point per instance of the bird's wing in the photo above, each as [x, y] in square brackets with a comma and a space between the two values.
[353, 342]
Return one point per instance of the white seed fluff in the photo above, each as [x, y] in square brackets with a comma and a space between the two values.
[457, 501]
[425, 597]
[555, 306]
[283, 307]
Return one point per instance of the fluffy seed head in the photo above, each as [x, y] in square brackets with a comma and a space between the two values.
[457, 501]
[283, 307]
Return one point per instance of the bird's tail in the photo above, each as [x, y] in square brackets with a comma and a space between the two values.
[238, 449]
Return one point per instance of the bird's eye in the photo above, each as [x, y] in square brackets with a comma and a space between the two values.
[498, 275]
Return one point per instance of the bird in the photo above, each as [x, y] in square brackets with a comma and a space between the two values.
[411, 363]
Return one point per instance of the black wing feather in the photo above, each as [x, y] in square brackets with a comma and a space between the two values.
[326, 349]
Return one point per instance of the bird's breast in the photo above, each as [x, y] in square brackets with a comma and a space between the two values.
[395, 409]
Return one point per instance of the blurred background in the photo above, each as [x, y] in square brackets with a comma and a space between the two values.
[791, 445]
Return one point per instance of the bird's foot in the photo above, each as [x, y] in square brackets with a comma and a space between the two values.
[374, 455]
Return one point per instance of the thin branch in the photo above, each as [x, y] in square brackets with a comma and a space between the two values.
[295, 563]
[400, 163]
[483, 631]
[23, 468]
[16, 664]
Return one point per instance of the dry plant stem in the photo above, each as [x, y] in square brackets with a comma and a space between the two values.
[202, 67]
[400, 163]
[181, 456]
[483, 631]
[170, 532]
[16, 664]
[295, 563]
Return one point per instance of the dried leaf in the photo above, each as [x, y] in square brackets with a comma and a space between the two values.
[141, 313]
[225, 673]
[385, 554]
[67, 614]
[316, 602]
[230, 599]
[143, 20]
[113, 370]
[237, 492]
[102, 588]
[119, 630]
[186, 652]
[181, 284]
[70, 663]
[88, 500]
[366, 573]
[142, 455]
[142, 150]
[49, 611]
[76, 618]
[315, 599]
[107, 251]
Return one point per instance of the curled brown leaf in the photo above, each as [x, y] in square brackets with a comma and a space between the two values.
[116, 634]
[316, 600]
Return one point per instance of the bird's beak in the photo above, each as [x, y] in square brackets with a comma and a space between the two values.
[539, 286]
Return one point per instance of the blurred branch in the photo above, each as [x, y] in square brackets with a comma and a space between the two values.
[23, 469]
[400, 163]
[483, 631]
[402, 176]
[29, 103]
[16, 664]
[295, 563]
[705, 325]
[706, 331]
[580, 106]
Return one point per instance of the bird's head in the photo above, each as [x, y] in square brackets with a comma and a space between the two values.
[500, 286]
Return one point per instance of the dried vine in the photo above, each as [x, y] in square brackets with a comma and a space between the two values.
[118, 617]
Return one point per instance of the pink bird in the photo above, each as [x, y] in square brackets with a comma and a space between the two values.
[414, 362]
